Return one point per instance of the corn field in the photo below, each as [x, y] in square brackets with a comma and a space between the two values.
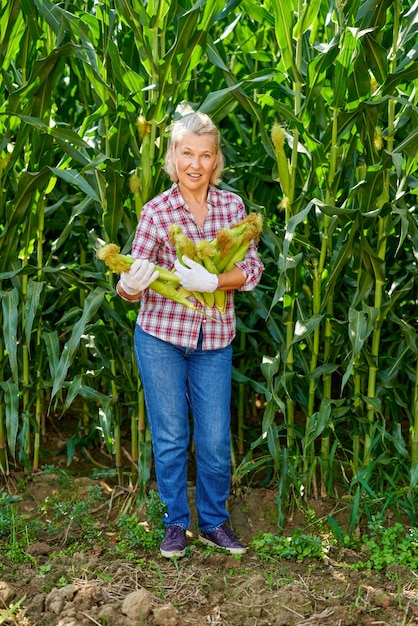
[317, 103]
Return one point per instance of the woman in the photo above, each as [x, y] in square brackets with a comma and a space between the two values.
[185, 358]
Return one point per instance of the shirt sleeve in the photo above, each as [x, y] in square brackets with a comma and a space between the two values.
[145, 243]
[252, 268]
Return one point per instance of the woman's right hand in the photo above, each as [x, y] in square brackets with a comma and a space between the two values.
[140, 275]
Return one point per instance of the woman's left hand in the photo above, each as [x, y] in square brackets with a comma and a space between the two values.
[195, 277]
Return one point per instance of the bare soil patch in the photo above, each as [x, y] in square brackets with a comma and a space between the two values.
[58, 586]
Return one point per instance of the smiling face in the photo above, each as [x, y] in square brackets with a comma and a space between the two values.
[195, 158]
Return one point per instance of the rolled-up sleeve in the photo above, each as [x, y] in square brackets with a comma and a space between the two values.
[252, 268]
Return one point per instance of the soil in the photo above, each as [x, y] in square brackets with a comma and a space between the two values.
[71, 579]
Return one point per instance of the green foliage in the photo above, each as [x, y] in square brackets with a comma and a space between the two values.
[326, 370]
[13, 613]
[270, 547]
[389, 545]
[131, 533]
[7, 515]
[63, 476]
[16, 531]
[74, 519]
[383, 545]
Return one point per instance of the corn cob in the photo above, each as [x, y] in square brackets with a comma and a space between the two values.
[227, 238]
[278, 137]
[168, 290]
[185, 247]
[206, 251]
[219, 255]
[233, 242]
[121, 263]
[165, 284]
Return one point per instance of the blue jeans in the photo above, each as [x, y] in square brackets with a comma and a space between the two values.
[179, 383]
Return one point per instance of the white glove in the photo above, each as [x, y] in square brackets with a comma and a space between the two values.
[195, 277]
[141, 274]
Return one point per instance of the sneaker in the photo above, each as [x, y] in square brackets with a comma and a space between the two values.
[174, 542]
[223, 537]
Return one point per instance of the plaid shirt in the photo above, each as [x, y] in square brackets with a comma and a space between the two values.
[169, 320]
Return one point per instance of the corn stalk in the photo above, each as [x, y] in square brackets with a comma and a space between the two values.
[342, 175]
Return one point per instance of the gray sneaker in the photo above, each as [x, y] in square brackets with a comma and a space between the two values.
[223, 537]
[174, 543]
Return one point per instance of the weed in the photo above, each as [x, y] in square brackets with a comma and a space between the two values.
[207, 551]
[275, 582]
[271, 547]
[14, 530]
[155, 511]
[135, 534]
[389, 545]
[63, 476]
[382, 546]
[7, 515]
[76, 518]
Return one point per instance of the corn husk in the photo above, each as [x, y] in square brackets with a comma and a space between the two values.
[118, 263]
[222, 253]
[165, 284]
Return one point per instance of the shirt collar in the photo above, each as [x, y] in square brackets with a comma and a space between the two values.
[177, 201]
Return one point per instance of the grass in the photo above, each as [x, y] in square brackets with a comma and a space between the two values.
[12, 615]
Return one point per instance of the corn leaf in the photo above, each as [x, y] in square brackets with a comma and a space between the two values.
[284, 30]
[74, 177]
[11, 402]
[33, 297]
[91, 306]
[10, 307]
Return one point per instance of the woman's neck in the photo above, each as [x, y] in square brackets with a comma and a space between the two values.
[196, 204]
[197, 200]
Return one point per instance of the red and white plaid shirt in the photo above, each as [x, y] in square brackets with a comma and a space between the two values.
[169, 320]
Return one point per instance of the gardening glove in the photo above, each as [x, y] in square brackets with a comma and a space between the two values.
[140, 275]
[195, 277]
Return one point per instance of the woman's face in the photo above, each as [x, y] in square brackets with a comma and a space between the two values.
[195, 158]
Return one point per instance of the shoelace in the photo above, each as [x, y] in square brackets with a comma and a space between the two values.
[228, 532]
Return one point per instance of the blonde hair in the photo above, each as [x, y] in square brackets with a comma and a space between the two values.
[200, 124]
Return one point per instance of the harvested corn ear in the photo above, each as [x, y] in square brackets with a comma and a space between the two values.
[110, 254]
[165, 284]
[219, 255]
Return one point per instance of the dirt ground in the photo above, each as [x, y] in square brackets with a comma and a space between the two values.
[55, 586]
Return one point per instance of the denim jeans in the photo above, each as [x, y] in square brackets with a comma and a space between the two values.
[188, 387]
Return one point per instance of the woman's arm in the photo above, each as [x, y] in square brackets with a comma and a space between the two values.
[234, 279]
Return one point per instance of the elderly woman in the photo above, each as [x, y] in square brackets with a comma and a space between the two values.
[185, 358]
